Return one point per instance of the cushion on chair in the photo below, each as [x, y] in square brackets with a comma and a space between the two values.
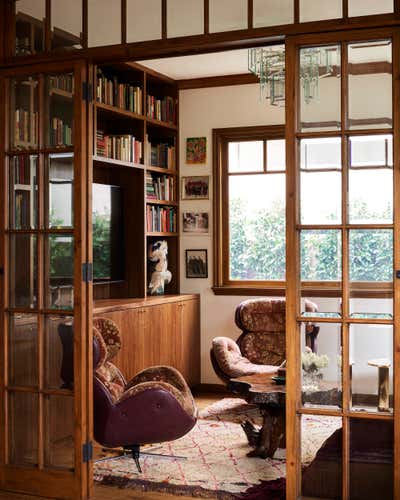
[232, 363]
[110, 333]
[263, 348]
[261, 315]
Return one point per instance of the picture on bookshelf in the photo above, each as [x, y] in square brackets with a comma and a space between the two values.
[195, 187]
[195, 222]
[196, 263]
[196, 150]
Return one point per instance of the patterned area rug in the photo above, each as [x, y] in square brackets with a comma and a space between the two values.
[216, 465]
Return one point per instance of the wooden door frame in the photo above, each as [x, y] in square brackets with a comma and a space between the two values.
[293, 401]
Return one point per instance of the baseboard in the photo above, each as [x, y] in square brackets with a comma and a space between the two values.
[209, 388]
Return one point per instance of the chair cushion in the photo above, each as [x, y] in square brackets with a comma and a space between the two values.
[111, 335]
[232, 363]
[263, 348]
[261, 315]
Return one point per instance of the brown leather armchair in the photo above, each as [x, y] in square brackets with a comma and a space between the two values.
[261, 346]
[155, 406]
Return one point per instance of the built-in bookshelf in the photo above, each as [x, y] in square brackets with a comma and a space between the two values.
[135, 148]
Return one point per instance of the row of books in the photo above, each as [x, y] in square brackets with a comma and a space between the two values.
[62, 82]
[160, 219]
[22, 169]
[162, 109]
[60, 133]
[122, 95]
[119, 147]
[160, 187]
[22, 209]
[161, 155]
[26, 127]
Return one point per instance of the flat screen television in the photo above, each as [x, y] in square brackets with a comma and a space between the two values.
[108, 233]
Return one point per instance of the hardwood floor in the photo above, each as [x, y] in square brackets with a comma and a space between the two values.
[112, 493]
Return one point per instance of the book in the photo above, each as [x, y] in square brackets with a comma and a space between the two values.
[164, 109]
[161, 154]
[121, 95]
[160, 187]
[119, 147]
[160, 219]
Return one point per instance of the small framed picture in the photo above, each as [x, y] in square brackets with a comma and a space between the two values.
[195, 222]
[196, 150]
[196, 264]
[195, 187]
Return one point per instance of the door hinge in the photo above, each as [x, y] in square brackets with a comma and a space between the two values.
[87, 452]
[87, 91]
[87, 272]
[397, 274]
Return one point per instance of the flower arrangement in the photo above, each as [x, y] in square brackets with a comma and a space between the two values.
[311, 362]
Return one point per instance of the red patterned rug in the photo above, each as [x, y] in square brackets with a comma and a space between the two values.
[216, 465]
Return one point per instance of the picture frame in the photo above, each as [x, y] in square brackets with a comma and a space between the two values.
[196, 261]
[195, 222]
[196, 150]
[196, 187]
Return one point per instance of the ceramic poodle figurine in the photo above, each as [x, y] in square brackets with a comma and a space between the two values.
[158, 260]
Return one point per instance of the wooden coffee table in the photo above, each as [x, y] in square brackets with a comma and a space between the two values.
[261, 390]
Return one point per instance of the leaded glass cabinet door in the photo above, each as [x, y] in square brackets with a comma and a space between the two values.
[44, 379]
[342, 141]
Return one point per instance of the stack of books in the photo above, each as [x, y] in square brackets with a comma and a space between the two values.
[161, 155]
[160, 187]
[60, 133]
[160, 219]
[26, 131]
[122, 95]
[62, 82]
[162, 109]
[119, 147]
[22, 174]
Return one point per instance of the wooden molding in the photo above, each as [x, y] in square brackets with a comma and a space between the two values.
[217, 81]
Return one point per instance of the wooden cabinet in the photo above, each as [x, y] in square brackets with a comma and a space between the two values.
[156, 331]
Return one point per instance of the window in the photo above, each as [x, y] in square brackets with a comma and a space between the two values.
[250, 211]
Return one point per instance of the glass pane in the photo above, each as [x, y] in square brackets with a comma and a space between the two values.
[227, 15]
[29, 26]
[371, 151]
[66, 24]
[310, 10]
[184, 18]
[321, 154]
[321, 457]
[276, 155]
[60, 89]
[257, 227]
[321, 368]
[23, 428]
[246, 156]
[321, 255]
[370, 84]
[59, 271]
[371, 459]
[321, 307]
[59, 352]
[24, 113]
[23, 270]
[369, 308]
[23, 350]
[60, 190]
[59, 423]
[371, 360]
[272, 12]
[371, 255]
[321, 197]
[369, 7]
[143, 20]
[320, 88]
[23, 192]
[104, 23]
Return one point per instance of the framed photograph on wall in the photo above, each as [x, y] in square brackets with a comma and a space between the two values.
[196, 264]
[195, 187]
[195, 222]
[196, 150]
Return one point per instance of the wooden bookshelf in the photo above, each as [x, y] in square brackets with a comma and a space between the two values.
[114, 85]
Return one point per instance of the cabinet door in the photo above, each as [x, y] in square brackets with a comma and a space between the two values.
[161, 326]
[190, 341]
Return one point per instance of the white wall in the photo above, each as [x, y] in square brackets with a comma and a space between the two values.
[201, 110]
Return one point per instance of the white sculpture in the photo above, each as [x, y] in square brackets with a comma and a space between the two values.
[159, 274]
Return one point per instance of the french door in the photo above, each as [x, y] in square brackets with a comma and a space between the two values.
[342, 119]
[44, 381]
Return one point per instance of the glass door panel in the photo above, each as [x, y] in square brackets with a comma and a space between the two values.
[23, 192]
[60, 110]
[24, 119]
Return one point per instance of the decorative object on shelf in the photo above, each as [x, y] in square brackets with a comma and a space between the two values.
[312, 363]
[158, 261]
[195, 187]
[196, 150]
[196, 264]
[195, 222]
[268, 64]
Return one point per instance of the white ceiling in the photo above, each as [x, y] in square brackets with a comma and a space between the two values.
[233, 62]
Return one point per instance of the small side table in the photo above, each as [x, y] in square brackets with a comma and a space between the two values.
[383, 366]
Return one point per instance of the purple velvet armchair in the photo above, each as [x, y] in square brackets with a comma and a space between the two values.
[261, 346]
[155, 406]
